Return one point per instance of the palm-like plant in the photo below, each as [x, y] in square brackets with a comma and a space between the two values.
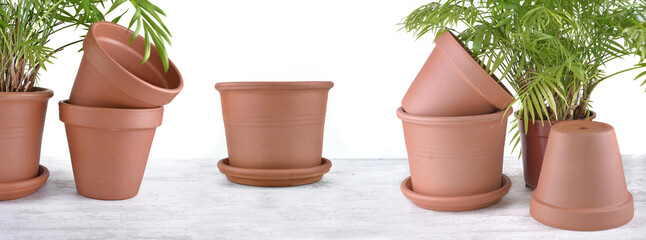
[552, 52]
[28, 25]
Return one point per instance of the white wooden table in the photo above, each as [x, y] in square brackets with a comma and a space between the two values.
[358, 199]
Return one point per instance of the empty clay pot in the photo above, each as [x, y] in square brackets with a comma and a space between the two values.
[533, 143]
[455, 156]
[22, 118]
[109, 148]
[452, 83]
[582, 184]
[274, 125]
[111, 74]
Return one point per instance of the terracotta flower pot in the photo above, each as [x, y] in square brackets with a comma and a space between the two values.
[452, 83]
[582, 184]
[455, 157]
[22, 118]
[111, 74]
[109, 148]
[533, 143]
[274, 125]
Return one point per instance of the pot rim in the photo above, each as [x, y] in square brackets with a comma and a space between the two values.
[489, 87]
[552, 122]
[110, 118]
[172, 68]
[459, 120]
[38, 94]
[274, 85]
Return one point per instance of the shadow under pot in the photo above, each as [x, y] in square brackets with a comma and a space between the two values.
[111, 73]
[452, 83]
[109, 148]
[274, 132]
[455, 162]
[582, 185]
[533, 143]
[22, 119]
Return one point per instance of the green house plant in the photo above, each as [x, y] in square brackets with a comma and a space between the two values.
[551, 52]
[27, 26]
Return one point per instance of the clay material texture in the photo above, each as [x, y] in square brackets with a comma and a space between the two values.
[582, 184]
[455, 156]
[111, 74]
[274, 125]
[533, 141]
[22, 118]
[18, 189]
[452, 83]
[109, 148]
[274, 177]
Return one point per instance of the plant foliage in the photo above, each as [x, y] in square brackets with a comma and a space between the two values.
[552, 52]
[28, 25]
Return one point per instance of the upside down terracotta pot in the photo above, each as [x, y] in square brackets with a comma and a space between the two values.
[452, 83]
[111, 74]
[22, 118]
[456, 162]
[274, 125]
[582, 184]
[109, 148]
[533, 143]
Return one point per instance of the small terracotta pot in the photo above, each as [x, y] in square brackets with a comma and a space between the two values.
[452, 83]
[533, 143]
[109, 148]
[582, 184]
[111, 74]
[22, 118]
[274, 125]
[455, 156]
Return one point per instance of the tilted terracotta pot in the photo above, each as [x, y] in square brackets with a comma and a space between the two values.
[274, 125]
[111, 74]
[582, 184]
[109, 148]
[452, 83]
[455, 157]
[22, 118]
[533, 143]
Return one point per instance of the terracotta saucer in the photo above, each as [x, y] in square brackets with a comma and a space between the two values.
[274, 177]
[454, 204]
[14, 190]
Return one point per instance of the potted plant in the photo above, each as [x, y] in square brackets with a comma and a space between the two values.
[552, 53]
[27, 28]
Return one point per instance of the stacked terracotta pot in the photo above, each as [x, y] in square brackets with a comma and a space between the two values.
[455, 117]
[114, 108]
[274, 132]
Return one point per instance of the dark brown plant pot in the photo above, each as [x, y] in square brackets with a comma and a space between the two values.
[22, 118]
[451, 83]
[533, 143]
[274, 125]
[109, 148]
[455, 162]
[582, 184]
[111, 74]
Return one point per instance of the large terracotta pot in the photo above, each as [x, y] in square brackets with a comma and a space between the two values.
[111, 74]
[533, 143]
[109, 148]
[582, 184]
[22, 118]
[273, 125]
[452, 83]
[455, 157]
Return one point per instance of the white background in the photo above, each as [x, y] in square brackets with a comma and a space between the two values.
[355, 43]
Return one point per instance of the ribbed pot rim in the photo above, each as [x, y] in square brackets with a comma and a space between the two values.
[459, 120]
[37, 94]
[110, 118]
[276, 85]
